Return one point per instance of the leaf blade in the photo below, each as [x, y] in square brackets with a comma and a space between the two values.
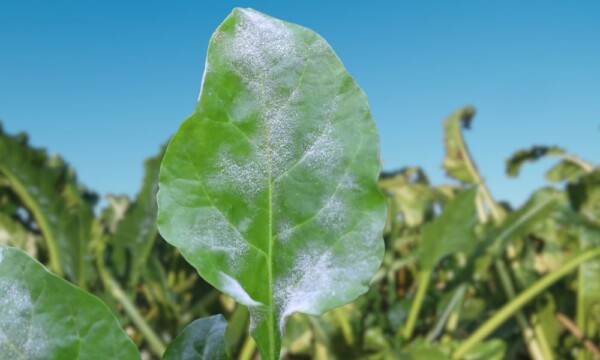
[203, 339]
[45, 317]
[278, 160]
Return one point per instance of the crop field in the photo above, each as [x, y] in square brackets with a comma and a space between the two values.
[265, 229]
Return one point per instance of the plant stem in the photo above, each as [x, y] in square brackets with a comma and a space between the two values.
[155, 343]
[529, 334]
[150, 336]
[424, 278]
[523, 298]
[573, 329]
[248, 349]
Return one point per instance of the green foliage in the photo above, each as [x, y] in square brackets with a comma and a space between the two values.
[269, 188]
[203, 339]
[61, 208]
[45, 317]
[237, 180]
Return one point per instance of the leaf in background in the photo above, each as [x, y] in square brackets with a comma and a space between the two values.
[450, 232]
[62, 210]
[490, 350]
[458, 162]
[203, 339]
[45, 317]
[137, 230]
[564, 171]
[568, 169]
[269, 188]
[410, 193]
[588, 311]
[13, 233]
[518, 223]
[584, 196]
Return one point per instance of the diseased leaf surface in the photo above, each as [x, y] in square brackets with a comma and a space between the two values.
[269, 187]
[203, 339]
[45, 317]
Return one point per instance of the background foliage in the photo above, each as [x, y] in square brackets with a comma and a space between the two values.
[463, 274]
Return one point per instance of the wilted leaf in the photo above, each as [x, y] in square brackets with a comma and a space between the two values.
[45, 317]
[458, 162]
[569, 168]
[520, 157]
[203, 339]
[269, 187]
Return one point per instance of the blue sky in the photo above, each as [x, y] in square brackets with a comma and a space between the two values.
[104, 83]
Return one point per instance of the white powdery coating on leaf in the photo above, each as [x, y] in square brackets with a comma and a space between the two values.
[231, 287]
[246, 179]
[18, 335]
[334, 214]
[315, 276]
[212, 232]
[261, 50]
[284, 231]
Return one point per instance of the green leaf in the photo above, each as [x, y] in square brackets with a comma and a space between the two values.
[410, 194]
[450, 232]
[518, 223]
[588, 290]
[569, 168]
[13, 233]
[49, 190]
[203, 339]
[490, 350]
[45, 317]
[564, 171]
[137, 231]
[458, 163]
[584, 196]
[521, 157]
[269, 188]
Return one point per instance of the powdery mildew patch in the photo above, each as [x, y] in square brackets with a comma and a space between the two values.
[213, 232]
[315, 275]
[233, 288]
[18, 335]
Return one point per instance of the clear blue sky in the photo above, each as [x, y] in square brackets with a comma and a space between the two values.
[104, 83]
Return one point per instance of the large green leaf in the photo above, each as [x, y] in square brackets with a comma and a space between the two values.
[269, 188]
[203, 339]
[137, 231]
[450, 232]
[45, 317]
[48, 188]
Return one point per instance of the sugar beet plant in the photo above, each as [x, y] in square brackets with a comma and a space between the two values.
[270, 196]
